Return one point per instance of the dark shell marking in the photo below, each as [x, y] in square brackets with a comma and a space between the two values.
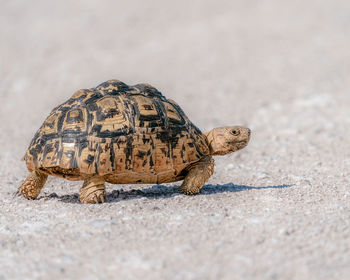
[128, 134]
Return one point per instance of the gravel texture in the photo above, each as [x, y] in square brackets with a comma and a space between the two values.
[279, 209]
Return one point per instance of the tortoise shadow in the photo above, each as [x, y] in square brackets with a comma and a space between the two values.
[161, 191]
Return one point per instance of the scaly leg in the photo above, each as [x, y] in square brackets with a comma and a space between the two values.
[198, 174]
[32, 185]
[93, 190]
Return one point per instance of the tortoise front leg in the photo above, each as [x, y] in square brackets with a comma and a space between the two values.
[93, 190]
[31, 186]
[198, 174]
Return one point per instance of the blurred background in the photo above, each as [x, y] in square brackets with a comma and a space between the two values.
[279, 67]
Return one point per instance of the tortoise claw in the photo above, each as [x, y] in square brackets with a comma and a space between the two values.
[187, 191]
[16, 194]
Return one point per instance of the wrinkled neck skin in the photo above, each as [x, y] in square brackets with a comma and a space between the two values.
[215, 143]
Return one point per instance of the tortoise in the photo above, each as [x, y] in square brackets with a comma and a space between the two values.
[124, 134]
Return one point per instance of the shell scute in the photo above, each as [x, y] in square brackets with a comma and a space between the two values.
[142, 155]
[112, 87]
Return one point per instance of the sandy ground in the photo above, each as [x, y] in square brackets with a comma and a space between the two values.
[279, 209]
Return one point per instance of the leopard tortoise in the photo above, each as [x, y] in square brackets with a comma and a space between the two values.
[124, 135]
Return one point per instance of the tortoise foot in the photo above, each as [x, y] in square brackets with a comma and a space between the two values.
[198, 174]
[188, 191]
[32, 185]
[93, 191]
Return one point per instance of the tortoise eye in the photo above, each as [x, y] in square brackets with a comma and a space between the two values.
[235, 132]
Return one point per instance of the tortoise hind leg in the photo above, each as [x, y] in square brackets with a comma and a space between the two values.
[198, 174]
[93, 190]
[33, 184]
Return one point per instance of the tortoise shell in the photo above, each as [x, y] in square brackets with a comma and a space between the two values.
[127, 134]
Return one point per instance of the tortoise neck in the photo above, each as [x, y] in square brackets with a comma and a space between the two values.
[210, 136]
[216, 142]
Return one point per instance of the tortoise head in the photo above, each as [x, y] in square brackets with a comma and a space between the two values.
[228, 139]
